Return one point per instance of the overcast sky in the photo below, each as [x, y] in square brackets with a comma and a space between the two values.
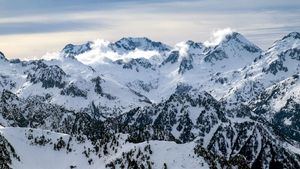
[31, 28]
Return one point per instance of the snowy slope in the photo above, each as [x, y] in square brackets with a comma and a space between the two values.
[45, 157]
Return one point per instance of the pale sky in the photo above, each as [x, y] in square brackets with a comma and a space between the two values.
[31, 28]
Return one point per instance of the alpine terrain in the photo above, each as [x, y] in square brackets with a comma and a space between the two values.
[137, 103]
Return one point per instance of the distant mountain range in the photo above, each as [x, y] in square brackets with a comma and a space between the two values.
[138, 103]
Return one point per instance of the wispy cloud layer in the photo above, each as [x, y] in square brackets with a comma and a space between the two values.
[36, 27]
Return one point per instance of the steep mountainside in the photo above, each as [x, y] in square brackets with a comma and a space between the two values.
[138, 103]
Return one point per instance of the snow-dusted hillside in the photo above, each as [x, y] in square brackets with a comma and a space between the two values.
[56, 150]
[138, 103]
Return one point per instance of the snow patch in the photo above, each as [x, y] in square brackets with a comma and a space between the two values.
[287, 121]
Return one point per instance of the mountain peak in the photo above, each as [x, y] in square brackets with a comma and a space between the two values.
[237, 40]
[236, 37]
[288, 42]
[195, 45]
[233, 45]
[227, 37]
[131, 43]
[232, 35]
[2, 57]
[71, 50]
[130, 38]
[295, 35]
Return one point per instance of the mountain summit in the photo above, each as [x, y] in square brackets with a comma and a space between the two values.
[233, 45]
[125, 45]
[2, 57]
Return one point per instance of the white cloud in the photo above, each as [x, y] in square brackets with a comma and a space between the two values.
[182, 47]
[102, 54]
[218, 36]
[50, 56]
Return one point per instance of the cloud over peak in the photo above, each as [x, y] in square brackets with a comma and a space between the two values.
[218, 36]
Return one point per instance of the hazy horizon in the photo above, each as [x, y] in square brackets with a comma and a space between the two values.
[30, 29]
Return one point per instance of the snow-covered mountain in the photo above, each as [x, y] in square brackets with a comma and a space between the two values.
[138, 103]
